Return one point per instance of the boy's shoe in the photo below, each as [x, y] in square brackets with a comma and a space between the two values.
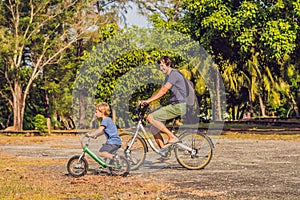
[116, 159]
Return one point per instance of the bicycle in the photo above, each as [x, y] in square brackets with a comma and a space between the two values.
[78, 165]
[194, 151]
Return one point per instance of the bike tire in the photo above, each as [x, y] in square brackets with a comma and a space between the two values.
[201, 154]
[76, 167]
[136, 155]
[124, 167]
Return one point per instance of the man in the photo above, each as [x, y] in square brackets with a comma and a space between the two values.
[174, 82]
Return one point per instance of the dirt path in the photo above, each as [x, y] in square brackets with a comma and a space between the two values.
[240, 169]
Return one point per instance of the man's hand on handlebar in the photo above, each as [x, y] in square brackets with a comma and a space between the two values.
[143, 102]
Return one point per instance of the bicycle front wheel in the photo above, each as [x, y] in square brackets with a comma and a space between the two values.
[195, 150]
[136, 154]
[76, 167]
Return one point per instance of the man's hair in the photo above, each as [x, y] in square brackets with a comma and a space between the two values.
[167, 60]
[104, 108]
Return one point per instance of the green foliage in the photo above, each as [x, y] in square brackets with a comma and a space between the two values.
[279, 37]
[46, 30]
[40, 123]
[250, 41]
[122, 69]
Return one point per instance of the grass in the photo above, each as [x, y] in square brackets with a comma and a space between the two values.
[37, 178]
[27, 140]
[42, 178]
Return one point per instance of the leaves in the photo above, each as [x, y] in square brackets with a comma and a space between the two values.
[279, 37]
[250, 41]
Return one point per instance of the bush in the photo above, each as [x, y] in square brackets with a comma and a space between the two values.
[40, 123]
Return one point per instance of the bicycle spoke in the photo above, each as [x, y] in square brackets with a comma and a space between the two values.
[137, 153]
[200, 152]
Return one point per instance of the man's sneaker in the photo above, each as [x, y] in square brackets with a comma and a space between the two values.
[170, 143]
[174, 141]
[163, 158]
[165, 151]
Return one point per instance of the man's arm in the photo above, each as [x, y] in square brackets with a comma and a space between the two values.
[163, 90]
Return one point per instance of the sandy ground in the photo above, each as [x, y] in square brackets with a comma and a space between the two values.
[240, 169]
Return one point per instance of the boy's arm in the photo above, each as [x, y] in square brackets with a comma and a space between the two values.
[97, 132]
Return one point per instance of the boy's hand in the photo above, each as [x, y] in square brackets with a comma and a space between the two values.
[89, 136]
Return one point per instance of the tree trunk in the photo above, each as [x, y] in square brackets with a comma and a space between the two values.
[47, 111]
[295, 106]
[262, 106]
[236, 111]
[218, 107]
[18, 106]
[114, 112]
[251, 104]
[79, 53]
[82, 111]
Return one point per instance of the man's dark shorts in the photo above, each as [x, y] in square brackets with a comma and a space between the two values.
[110, 148]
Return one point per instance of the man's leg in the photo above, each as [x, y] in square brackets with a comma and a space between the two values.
[163, 128]
[157, 136]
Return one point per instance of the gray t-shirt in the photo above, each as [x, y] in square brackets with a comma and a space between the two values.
[111, 131]
[178, 91]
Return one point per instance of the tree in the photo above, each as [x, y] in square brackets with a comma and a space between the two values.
[120, 68]
[47, 28]
[245, 34]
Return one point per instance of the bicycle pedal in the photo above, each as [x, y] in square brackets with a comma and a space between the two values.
[166, 153]
[163, 159]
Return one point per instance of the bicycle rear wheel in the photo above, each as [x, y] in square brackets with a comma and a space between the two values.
[199, 153]
[123, 167]
[76, 167]
[135, 155]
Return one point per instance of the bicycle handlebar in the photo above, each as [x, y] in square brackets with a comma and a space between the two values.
[86, 143]
[141, 110]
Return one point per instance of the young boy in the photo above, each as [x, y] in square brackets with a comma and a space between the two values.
[109, 129]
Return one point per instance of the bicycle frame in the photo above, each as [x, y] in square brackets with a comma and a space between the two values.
[146, 137]
[148, 140]
[95, 157]
[193, 150]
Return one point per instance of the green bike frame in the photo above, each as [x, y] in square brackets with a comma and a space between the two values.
[96, 158]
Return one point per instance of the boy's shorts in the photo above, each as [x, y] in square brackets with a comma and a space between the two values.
[110, 148]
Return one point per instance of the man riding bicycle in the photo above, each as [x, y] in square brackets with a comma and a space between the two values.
[174, 81]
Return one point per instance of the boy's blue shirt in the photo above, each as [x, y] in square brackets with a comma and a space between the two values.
[111, 131]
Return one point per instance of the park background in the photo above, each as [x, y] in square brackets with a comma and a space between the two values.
[254, 44]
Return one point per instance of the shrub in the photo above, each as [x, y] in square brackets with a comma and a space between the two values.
[40, 123]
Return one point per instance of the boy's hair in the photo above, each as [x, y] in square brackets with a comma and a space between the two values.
[104, 108]
[167, 60]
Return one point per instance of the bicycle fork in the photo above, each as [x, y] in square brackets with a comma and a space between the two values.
[135, 135]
